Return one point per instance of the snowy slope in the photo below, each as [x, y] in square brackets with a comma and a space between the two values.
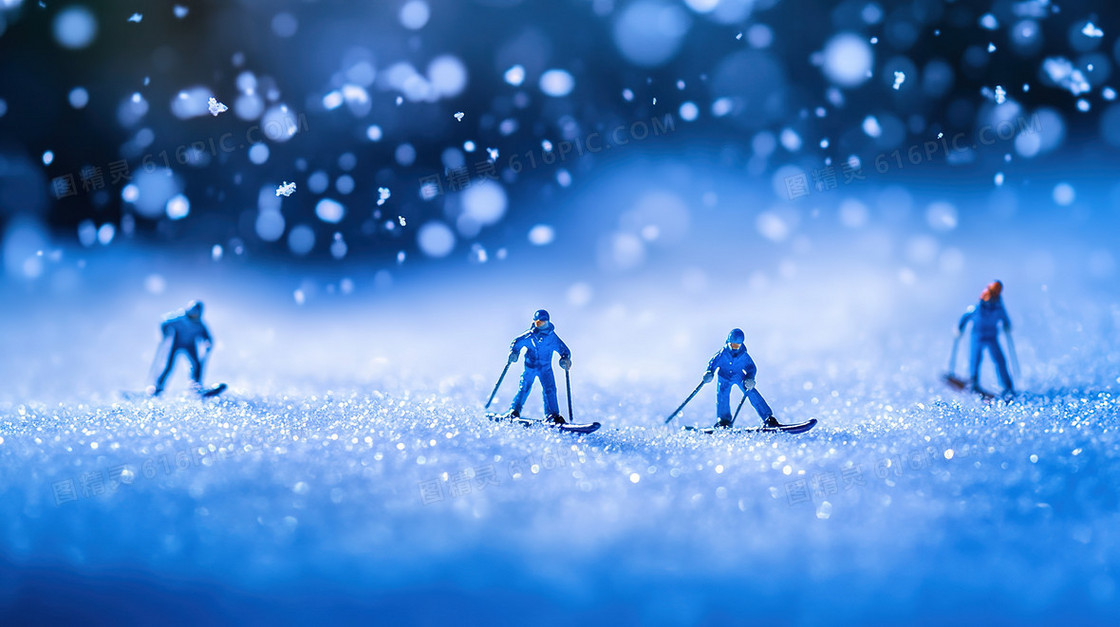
[349, 472]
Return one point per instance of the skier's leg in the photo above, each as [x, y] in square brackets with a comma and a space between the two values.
[759, 404]
[975, 347]
[723, 399]
[548, 391]
[196, 366]
[161, 381]
[1001, 367]
[523, 387]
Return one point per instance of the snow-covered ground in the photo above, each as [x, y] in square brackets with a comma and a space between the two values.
[349, 473]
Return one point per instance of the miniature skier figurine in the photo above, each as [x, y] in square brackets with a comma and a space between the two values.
[539, 342]
[183, 331]
[986, 317]
[736, 368]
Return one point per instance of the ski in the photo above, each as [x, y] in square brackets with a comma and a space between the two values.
[567, 428]
[961, 385]
[800, 427]
[211, 392]
[214, 391]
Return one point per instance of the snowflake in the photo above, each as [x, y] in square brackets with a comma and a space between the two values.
[216, 107]
[402, 220]
[286, 190]
[899, 79]
[459, 116]
[493, 152]
[383, 194]
[999, 94]
[136, 17]
[1091, 30]
[1061, 71]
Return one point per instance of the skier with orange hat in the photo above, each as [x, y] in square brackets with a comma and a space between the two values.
[986, 317]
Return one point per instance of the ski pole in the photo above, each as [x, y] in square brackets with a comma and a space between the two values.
[568, 383]
[736, 414]
[160, 356]
[205, 360]
[1014, 355]
[953, 355]
[690, 396]
[497, 385]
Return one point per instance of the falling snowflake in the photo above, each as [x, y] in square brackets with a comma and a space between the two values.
[1065, 75]
[136, 17]
[459, 116]
[181, 11]
[216, 107]
[991, 47]
[999, 94]
[899, 79]
[1091, 30]
[286, 190]
[383, 194]
[493, 152]
[402, 220]
[515, 75]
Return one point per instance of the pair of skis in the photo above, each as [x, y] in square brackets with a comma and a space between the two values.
[161, 357]
[957, 383]
[800, 427]
[204, 393]
[567, 427]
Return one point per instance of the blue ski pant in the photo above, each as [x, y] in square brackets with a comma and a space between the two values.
[992, 344]
[723, 399]
[191, 352]
[548, 389]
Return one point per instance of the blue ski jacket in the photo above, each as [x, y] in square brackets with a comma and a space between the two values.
[184, 331]
[733, 365]
[540, 343]
[985, 317]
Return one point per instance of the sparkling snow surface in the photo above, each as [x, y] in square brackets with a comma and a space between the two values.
[349, 472]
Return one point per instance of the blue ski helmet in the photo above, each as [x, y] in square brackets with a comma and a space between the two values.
[736, 336]
[540, 315]
[194, 309]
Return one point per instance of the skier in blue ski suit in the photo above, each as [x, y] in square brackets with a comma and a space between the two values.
[986, 316]
[184, 331]
[736, 368]
[539, 342]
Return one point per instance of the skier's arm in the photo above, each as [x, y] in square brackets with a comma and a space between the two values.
[565, 354]
[205, 335]
[711, 371]
[1006, 320]
[964, 319]
[515, 348]
[165, 328]
[750, 369]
